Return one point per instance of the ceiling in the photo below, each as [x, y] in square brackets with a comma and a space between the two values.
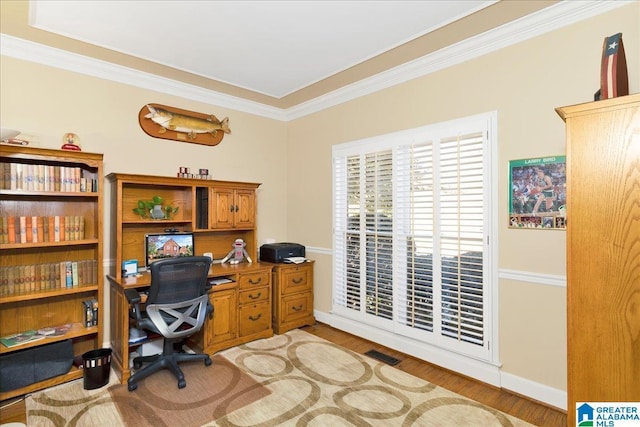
[280, 59]
[273, 48]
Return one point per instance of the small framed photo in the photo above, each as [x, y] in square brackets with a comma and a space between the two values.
[538, 193]
[129, 267]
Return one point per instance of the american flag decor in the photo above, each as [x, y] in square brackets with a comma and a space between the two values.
[613, 74]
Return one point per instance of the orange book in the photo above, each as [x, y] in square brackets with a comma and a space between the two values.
[52, 228]
[11, 226]
[62, 225]
[40, 226]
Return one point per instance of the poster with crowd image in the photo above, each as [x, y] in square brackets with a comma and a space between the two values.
[538, 193]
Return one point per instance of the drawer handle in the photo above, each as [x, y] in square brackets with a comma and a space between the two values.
[255, 318]
[297, 281]
[256, 296]
[297, 308]
[256, 282]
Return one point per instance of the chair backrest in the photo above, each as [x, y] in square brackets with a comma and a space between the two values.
[178, 299]
[178, 279]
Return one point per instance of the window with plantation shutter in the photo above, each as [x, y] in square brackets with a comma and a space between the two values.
[412, 231]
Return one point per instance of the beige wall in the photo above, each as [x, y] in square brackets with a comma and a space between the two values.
[524, 83]
[45, 103]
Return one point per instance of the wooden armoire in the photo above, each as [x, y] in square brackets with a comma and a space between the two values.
[603, 251]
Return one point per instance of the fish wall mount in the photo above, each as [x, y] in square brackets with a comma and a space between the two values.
[175, 124]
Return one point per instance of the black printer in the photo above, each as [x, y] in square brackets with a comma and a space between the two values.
[277, 252]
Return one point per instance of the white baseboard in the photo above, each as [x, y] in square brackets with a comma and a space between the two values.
[533, 390]
[475, 369]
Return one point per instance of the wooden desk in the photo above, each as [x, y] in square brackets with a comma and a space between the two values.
[242, 311]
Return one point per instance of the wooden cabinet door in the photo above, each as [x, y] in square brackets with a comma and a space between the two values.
[245, 208]
[224, 324]
[233, 208]
[223, 208]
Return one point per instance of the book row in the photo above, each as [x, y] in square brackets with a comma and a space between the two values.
[41, 277]
[38, 229]
[40, 177]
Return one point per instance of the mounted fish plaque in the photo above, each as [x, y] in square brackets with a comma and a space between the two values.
[161, 121]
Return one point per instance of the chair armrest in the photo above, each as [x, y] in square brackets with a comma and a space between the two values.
[133, 296]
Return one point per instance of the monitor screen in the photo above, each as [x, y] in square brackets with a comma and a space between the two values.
[167, 245]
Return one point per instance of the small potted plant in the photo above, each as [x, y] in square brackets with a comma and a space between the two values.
[154, 208]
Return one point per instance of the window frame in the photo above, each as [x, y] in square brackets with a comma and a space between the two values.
[486, 123]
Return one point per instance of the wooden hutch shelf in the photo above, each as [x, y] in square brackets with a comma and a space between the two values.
[218, 213]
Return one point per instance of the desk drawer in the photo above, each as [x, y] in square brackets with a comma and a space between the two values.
[294, 307]
[296, 279]
[253, 296]
[255, 318]
[253, 280]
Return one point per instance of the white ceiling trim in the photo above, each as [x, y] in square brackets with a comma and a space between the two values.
[58, 58]
[547, 20]
[554, 17]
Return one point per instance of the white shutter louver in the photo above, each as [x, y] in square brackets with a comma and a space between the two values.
[409, 234]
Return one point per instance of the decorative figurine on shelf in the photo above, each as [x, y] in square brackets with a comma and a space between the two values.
[71, 142]
[238, 253]
[614, 80]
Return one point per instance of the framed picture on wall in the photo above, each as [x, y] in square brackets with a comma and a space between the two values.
[538, 193]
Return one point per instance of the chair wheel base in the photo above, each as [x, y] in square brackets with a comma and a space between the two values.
[132, 387]
[182, 383]
[207, 361]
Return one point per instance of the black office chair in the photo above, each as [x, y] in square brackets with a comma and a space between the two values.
[176, 307]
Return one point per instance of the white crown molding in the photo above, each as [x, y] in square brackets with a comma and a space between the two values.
[58, 58]
[554, 17]
[557, 16]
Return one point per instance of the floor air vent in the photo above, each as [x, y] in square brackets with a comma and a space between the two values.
[383, 357]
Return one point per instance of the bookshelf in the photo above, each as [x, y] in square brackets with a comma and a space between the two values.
[50, 249]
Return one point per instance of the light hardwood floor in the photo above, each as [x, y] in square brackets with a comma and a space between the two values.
[505, 401]
[525, 409]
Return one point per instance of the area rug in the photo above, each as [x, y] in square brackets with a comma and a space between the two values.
[156, 402]
[312, 382]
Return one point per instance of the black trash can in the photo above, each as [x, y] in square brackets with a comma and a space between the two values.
[96, 365]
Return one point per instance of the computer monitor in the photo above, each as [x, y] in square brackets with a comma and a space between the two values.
[167, 245]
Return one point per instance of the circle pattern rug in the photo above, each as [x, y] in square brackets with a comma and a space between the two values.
[314, 382]
[296, 379]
